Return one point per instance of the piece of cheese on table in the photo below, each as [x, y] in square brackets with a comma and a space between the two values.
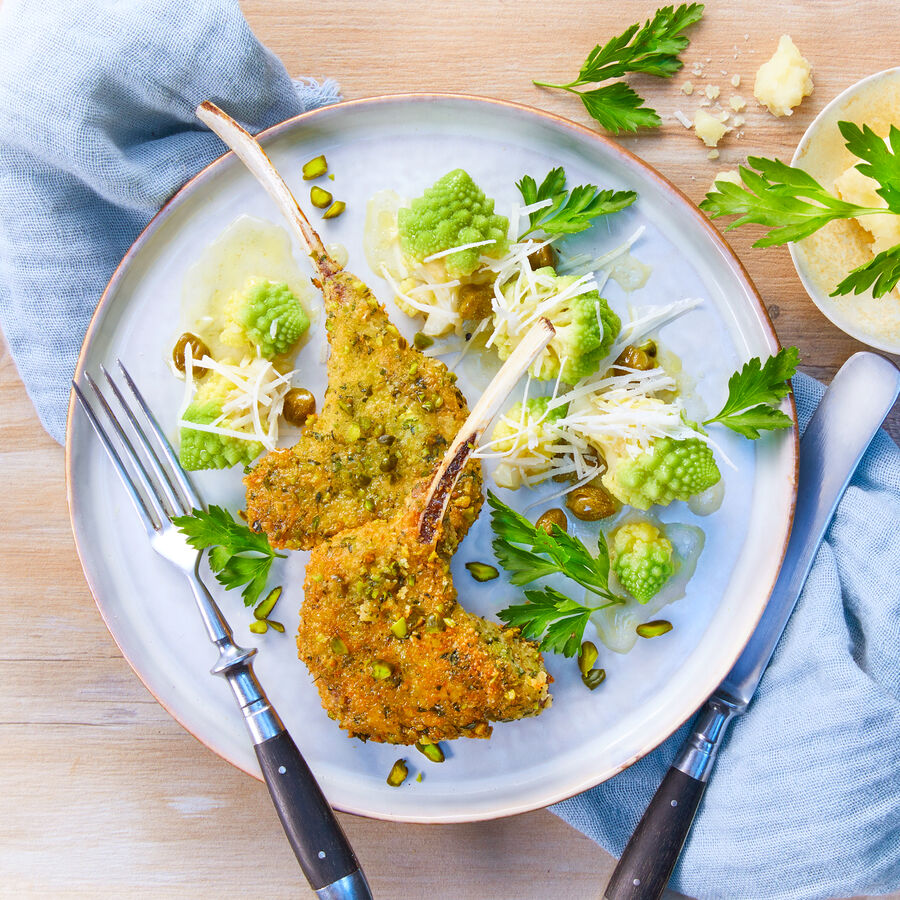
[854, 187]
[708, 128]
[784, 80]
[731, 175]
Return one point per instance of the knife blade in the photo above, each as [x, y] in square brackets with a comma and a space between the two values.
[847, 418]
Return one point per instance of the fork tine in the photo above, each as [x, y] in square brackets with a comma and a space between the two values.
[181, 477]
[151, 492]
[168, 488]
[142, 509]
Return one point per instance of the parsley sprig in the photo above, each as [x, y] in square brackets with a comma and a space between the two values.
[569, 211]
[753, 392]
[237, 555]
[652, 49]
[548, 615]
[793, 205]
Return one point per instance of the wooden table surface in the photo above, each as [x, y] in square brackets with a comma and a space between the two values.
[102, 793]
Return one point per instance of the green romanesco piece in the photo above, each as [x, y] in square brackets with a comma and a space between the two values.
[451, 213]
[526, 441]
[669, 470]
[267, 315]
[203, 449]
[642, 558]
[585, 329]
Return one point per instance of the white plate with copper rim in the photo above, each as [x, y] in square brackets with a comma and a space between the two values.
[406, 142]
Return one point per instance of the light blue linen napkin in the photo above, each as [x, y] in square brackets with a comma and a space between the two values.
[804, 801]
[97, 131]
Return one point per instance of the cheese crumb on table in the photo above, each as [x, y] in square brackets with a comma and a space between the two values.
[737, 102]
[712, 91]
[854, 187]
[687, 88]
[735, 80]
[713, 154]
[708, 128]
[784, 80]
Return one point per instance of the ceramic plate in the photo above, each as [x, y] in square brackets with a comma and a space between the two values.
[405, 143]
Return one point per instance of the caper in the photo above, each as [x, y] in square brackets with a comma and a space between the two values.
[473, 301]
[335, 209]
[266, 606]
[299, 405]
[552, 517]
[649, 347]
[389, 463]
[381, 670]
[635, 358]
[338, 647]
[386, 439]
[422, 341]
[432, 751]
[482, 571]
[546, 256]
[587, 656]
[198, 351]
[398, 773]
[654, 628]
[594, 678]
[590, 504]
[319, 197]
[315, 167]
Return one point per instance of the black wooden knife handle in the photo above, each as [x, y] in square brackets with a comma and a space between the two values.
[650, 855]
[309, 822]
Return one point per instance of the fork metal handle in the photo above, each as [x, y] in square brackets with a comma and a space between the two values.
[311, 827]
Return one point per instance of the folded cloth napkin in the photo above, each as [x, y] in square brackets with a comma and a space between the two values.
[97, 131]
[804, 801]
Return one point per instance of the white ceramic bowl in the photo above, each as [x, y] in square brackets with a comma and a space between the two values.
[821, 152]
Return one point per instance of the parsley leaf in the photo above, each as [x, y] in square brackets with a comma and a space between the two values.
[237, 555]
[652, 49]
[880, 273]
[793, 205]
[546, 554]
[569, 211]
[753, 392]
[551, 617]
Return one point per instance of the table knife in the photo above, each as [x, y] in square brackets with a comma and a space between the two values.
[853, 408]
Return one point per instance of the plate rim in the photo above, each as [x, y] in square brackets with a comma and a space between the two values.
[414, 97]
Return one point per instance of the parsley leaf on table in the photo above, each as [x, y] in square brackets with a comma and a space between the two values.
[569, 211]
[753, 392]
[652, 49]
[237, 555]
[551, 617]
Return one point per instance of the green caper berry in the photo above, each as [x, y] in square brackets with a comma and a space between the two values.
[398, 773]
[381, 670]
[587, 656]
[338, 647]
[482, 571]
[654, 628]
[594, 678]
[266, 606]
[432, 751]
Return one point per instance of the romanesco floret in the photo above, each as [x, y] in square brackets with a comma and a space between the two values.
[585, 328]
[642, 558]
[267, 315]
[204, 449]
[669, 470]
[451, 213]
[527, 441]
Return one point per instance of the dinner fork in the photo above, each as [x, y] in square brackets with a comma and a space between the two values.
[160, 489]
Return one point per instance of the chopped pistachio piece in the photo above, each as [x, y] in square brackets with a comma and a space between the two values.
[398, 773]
[338, 647]
[319, 197]
[266, 606]
[315, 167]
[276, 625]
[335, 209]
[432, 751]
[381, 670]
[259, 626]
[398, 628]
[422, 341]
[654, 628]
[482, 571]
[587, 656]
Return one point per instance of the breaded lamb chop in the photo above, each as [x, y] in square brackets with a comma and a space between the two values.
[394, 655]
